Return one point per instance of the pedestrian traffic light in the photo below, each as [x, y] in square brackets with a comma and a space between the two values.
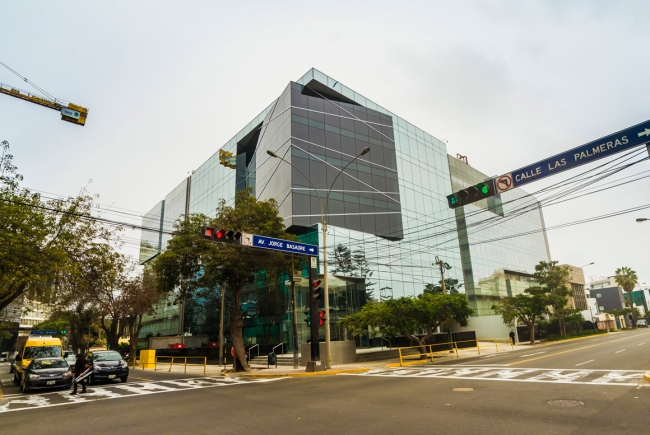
[321, 318]
[307, 314]
[472, 194]
[317, 291]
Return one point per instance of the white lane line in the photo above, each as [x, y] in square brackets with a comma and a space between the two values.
[531, 354]
[641, 344]
[585, 362]
[619, 351]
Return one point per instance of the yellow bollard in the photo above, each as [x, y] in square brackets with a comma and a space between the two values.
[148, 359]
[478, 347]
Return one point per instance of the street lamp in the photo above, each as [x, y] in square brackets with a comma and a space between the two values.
[639, 220]
[324, 213]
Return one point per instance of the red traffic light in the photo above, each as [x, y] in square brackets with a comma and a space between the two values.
[321, 314]
[317, 283]
[221, 233]
[207, 232]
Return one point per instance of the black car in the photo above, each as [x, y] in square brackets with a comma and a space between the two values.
[46, 373]
[107, 365]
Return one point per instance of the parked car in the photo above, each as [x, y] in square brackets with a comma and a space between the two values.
[46, 373]
[642, 323]
[4, 356]
[107, 365]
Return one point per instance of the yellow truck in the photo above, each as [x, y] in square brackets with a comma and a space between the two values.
[40, 344]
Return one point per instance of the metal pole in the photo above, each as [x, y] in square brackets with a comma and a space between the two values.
[294, 321]
[313, 310]
[327, 298]
[222, 361]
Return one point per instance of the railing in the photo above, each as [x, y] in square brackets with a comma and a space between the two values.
[184, 363]
[426, 354]
[131, 361]
[478, 348]
[251, 348]
[275, 347]
[496, 341]
[390, 345]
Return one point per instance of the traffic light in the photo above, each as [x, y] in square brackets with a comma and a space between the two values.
[307, 313]
[472, 194]
[321, 318]
[221, 235]
[317, 291]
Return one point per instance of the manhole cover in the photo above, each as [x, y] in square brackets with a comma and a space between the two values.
[462, 389]
[563, 402]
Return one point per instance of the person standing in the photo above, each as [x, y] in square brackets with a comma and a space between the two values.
[512, 337]
[79, 369]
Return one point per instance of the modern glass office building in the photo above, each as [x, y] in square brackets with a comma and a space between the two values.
[387, 214]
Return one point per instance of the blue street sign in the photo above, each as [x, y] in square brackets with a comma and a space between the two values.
[284, 245]
[598, 149]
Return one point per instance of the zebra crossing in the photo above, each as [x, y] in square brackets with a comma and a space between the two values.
[556, 376]
[22, 402]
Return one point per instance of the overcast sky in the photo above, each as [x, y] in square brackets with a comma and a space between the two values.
[506, 83]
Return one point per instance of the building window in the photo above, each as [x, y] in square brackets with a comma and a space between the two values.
[601, 308]
[598, 295]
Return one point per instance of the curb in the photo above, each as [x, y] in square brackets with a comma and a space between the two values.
[304, 374]
[407, 363]
[646, 376]
[549, 343]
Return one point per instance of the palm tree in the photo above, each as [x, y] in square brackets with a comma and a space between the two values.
[626, 278]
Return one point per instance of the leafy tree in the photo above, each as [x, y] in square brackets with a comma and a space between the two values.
[627, 279]
[452, 286]
[574, 317]
[406, 315]
[553, 279]
[140, 297]
[191, 263]
[42, 242]
[526, 308]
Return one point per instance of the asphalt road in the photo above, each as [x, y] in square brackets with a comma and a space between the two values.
[610, 397]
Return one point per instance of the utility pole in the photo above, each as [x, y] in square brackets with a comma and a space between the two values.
[442, 266]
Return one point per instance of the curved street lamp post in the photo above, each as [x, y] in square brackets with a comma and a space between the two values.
[324, 213]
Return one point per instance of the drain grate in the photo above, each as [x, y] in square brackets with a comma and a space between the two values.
[564, 402]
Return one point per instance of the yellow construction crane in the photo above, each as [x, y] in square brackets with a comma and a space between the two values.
[69, 112]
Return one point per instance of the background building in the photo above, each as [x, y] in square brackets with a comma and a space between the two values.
[388, 212]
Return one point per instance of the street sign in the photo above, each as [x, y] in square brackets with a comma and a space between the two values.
[282, 245]
[71, 113]
[592, 151]
[504, 183]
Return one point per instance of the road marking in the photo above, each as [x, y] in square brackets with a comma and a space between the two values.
[640, 344]
[619, 351]
[518, 374]
[531, 354]
[24, 402]
[571, 350]
[585, 362]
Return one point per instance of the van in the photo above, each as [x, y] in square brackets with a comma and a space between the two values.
[36, 346]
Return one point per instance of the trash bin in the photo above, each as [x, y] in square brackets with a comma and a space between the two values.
[272, 360]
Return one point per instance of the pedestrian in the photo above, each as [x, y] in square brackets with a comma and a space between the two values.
[79, 369]
[512, 337]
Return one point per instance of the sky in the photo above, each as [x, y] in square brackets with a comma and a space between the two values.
[505, 83]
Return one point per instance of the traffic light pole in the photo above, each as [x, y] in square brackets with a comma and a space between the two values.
[314, 364]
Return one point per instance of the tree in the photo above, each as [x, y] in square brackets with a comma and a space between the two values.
[140, 295]
[627, 279]
[41, 242]
[452, 286]
[527, 308]
[574, 317]
[553, 279]
[191, 263]
[406, 315]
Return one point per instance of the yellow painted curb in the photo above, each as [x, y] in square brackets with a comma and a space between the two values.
[304, 374]
[549, 343]
[646, 376]
[407, 363]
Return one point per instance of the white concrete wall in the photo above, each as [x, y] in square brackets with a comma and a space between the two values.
[486, 327]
